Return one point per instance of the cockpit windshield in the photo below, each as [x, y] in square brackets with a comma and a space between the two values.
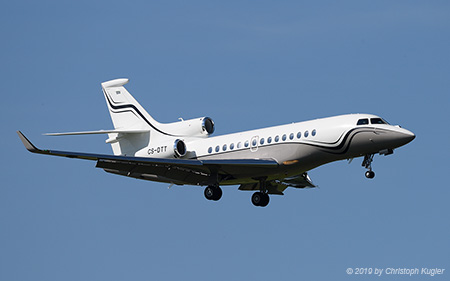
[378, 121]
[363, 122]
[375, 121]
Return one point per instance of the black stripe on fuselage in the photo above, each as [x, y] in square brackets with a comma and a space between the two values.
[349, 135]
[332, 150]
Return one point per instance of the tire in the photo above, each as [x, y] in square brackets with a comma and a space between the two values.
[213, 193]
[257, 198]
[370, 174]
[217, 194]
[265, 200]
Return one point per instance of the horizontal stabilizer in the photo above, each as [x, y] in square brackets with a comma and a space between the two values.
[115, 83]
[98, 132]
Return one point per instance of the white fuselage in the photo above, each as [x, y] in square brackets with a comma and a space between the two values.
[297, 147]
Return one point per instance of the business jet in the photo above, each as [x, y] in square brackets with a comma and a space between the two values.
[266, 161]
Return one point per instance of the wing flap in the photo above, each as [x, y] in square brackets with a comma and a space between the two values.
[299, 181]
[271, 186]
[279, 186]
[155, 172]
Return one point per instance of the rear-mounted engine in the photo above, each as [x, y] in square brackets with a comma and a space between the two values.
[179, 148]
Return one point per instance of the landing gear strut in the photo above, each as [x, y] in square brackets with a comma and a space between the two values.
[213, 192]
[367, 163]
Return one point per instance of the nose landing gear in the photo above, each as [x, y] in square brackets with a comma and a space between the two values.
[367, 163]
[370, 174]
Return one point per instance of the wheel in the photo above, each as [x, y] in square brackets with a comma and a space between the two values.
[257, 198]
[265, 200]
[260, 199]
[370, 174]
[217, 193]
[209, 192]
[213, 193]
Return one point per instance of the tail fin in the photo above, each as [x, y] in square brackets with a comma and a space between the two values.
[125, 111]
[127, 114]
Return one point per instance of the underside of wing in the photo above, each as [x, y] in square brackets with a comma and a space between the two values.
[202, 172]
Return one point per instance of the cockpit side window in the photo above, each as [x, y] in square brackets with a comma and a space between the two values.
[377, 121]
[363, 122]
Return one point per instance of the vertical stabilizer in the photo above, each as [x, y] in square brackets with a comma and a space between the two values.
[127, 114]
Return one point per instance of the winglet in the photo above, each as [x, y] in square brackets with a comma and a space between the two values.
[28, 145]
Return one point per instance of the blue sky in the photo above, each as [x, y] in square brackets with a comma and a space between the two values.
[246, 64]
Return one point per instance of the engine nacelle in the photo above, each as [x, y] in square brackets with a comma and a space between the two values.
[165, 149]
[198, 127]
[179, 148]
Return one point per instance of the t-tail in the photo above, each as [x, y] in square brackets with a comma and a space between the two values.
[135, 130]
[128, 115]
[125, 111]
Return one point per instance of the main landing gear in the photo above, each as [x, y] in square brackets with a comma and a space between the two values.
[260, 199]
[367, 163]
[213, 192]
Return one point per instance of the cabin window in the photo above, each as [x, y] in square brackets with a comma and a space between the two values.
[283, 137]
[209, 149]
[232, 146]
[299, 135]
[269, 139]
[239, 145]
[246, 143]
[217, 148]
[254, 142]
[313, 133]
[224, 147]
[291, 136]
[306, 134]
[363, 122]
[277, 138]
[261, 141]
[377, 121]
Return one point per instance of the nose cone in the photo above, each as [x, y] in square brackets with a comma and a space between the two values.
[409, 136]
[406, 136]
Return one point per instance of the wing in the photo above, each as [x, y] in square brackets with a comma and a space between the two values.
[177, 171]
[278, 186]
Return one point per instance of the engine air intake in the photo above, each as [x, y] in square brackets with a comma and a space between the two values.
[208, 125]
[179, 147]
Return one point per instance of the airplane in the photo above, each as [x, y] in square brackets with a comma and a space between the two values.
[266, 161]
